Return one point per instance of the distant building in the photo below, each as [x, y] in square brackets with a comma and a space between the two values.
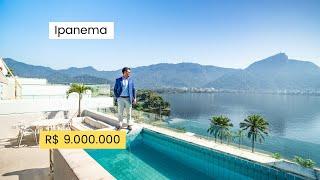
[13, 87]
[39, 88]
[34, 95]
[3, 81]
[9, 86]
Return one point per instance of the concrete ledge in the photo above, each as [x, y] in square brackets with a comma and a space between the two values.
[77, 164]
[111, 120]
[88, 123]
[296, 169]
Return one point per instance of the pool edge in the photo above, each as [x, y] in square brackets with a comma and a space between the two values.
[77, 164]
[226, 149]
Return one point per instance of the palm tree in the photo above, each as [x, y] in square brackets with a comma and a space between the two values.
[239, 135]
[257, 127]
[229, 136]
[213, 128]
[80, 89]
[219, 126]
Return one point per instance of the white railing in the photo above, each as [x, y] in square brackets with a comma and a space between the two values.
[19, 106]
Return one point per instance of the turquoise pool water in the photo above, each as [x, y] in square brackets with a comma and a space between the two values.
[156, 156]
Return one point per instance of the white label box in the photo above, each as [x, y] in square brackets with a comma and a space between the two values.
[81, 30]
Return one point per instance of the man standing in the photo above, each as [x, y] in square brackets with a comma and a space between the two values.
[125, 94]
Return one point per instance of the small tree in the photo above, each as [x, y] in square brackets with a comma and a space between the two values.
[256, 126]
[229, 136]
[239, 134]
[80, 89]
[219, 126]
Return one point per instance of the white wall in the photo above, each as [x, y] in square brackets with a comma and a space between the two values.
[3, 78]
[52, 104]
[38, 88]
[34, 90]
[1, 89]
[8, 84]
[8, 90]
[29, 81]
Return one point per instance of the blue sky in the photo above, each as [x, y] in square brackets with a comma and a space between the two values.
[222, 33]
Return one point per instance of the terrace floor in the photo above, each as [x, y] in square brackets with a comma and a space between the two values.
[26, 162]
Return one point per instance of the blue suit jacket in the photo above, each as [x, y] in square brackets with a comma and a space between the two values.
[118, 89]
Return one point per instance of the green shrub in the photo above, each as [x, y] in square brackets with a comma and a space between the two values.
[181, 129]
[276, 155]
[308, 163]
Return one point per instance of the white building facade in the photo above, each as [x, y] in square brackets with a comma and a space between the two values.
[26, 95]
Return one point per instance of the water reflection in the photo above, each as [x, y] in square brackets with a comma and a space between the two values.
[294, 120]
[289, 116]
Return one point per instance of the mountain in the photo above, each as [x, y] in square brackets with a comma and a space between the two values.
[177, 75]
[26, 70]
[73, 71]
[277, 72]
[153, 76]
[160, 75]
[53, 76]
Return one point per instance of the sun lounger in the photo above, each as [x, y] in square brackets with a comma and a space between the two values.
[24, 131]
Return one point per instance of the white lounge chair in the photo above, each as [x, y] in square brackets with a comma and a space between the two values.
[23, 131]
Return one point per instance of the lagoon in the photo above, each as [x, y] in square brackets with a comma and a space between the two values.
[294, 119]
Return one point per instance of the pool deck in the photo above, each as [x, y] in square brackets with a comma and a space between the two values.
[27, 162]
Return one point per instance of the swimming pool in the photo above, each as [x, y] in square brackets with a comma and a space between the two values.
[157, 156]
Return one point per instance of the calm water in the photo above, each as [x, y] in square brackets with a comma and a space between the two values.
[143, 162]
[294, 120]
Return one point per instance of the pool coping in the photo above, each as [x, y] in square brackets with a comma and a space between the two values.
[255, 157]
[80, 165]
[223, 148]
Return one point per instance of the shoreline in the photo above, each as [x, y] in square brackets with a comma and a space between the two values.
[235, 92]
